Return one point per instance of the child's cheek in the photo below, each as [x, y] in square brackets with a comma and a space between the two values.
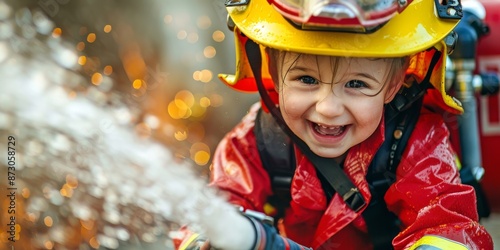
[294, 104]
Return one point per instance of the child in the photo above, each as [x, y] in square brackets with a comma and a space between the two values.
[328, 74]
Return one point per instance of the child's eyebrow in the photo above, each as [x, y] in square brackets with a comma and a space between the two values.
[366, 75]
[299, 67]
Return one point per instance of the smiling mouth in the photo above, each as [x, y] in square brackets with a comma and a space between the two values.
[329, 130]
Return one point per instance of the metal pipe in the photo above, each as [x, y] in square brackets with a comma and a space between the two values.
[469, 30]
[468, 124]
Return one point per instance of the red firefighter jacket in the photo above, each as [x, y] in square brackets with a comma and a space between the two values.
[427, 195]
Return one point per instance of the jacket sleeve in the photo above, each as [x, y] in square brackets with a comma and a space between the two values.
[435, 209]
[237, 169]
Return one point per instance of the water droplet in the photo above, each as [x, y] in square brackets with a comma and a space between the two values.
[34, 148]
[4, 50]
[148, 237]
[81, 211]
[5, 120]
[4, 11]
[60, 142]
[42, 23]
[64, 56]
[107, 241]
[38, 204]
[56, 198]
[6, 30]
[122, 234]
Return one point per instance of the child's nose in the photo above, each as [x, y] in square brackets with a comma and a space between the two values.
[330, 104]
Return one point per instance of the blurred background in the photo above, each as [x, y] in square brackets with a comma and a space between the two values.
[153, 64]
[160, 59]
[163, 55]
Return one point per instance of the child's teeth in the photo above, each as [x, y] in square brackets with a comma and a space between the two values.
[336, 130]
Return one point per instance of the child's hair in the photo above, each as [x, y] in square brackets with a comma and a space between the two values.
[394, 76]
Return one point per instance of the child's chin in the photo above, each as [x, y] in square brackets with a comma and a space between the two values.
[327, 153]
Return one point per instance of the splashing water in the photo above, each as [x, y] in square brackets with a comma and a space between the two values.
[81, 171]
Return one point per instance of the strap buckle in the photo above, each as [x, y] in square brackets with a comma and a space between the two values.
[354, 199]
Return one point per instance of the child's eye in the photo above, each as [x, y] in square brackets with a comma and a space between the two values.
[356, 84]
[308, 80]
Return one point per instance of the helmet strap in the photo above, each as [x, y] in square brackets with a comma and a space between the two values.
[408, 95]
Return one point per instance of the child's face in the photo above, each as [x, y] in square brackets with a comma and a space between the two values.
[333, 104]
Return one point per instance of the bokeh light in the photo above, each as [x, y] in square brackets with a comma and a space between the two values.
[57, 32]
[200, 153]
[107, 28]
[108, 70]
[204, 22]
[209, 52]
[91, 37]
[218, 36]
[96, 78]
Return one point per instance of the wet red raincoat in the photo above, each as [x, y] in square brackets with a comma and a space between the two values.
[427, 194]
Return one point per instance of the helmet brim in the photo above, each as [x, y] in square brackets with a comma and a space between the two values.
[415, 29]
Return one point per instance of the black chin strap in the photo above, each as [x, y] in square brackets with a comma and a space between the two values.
[328, 169]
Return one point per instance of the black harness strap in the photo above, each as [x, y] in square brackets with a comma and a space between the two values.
[382, 224]
[328, 168]
[278, 158]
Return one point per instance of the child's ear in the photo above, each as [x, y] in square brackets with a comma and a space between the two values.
[392, 91]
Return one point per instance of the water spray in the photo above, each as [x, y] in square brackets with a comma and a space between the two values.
[79, 157]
